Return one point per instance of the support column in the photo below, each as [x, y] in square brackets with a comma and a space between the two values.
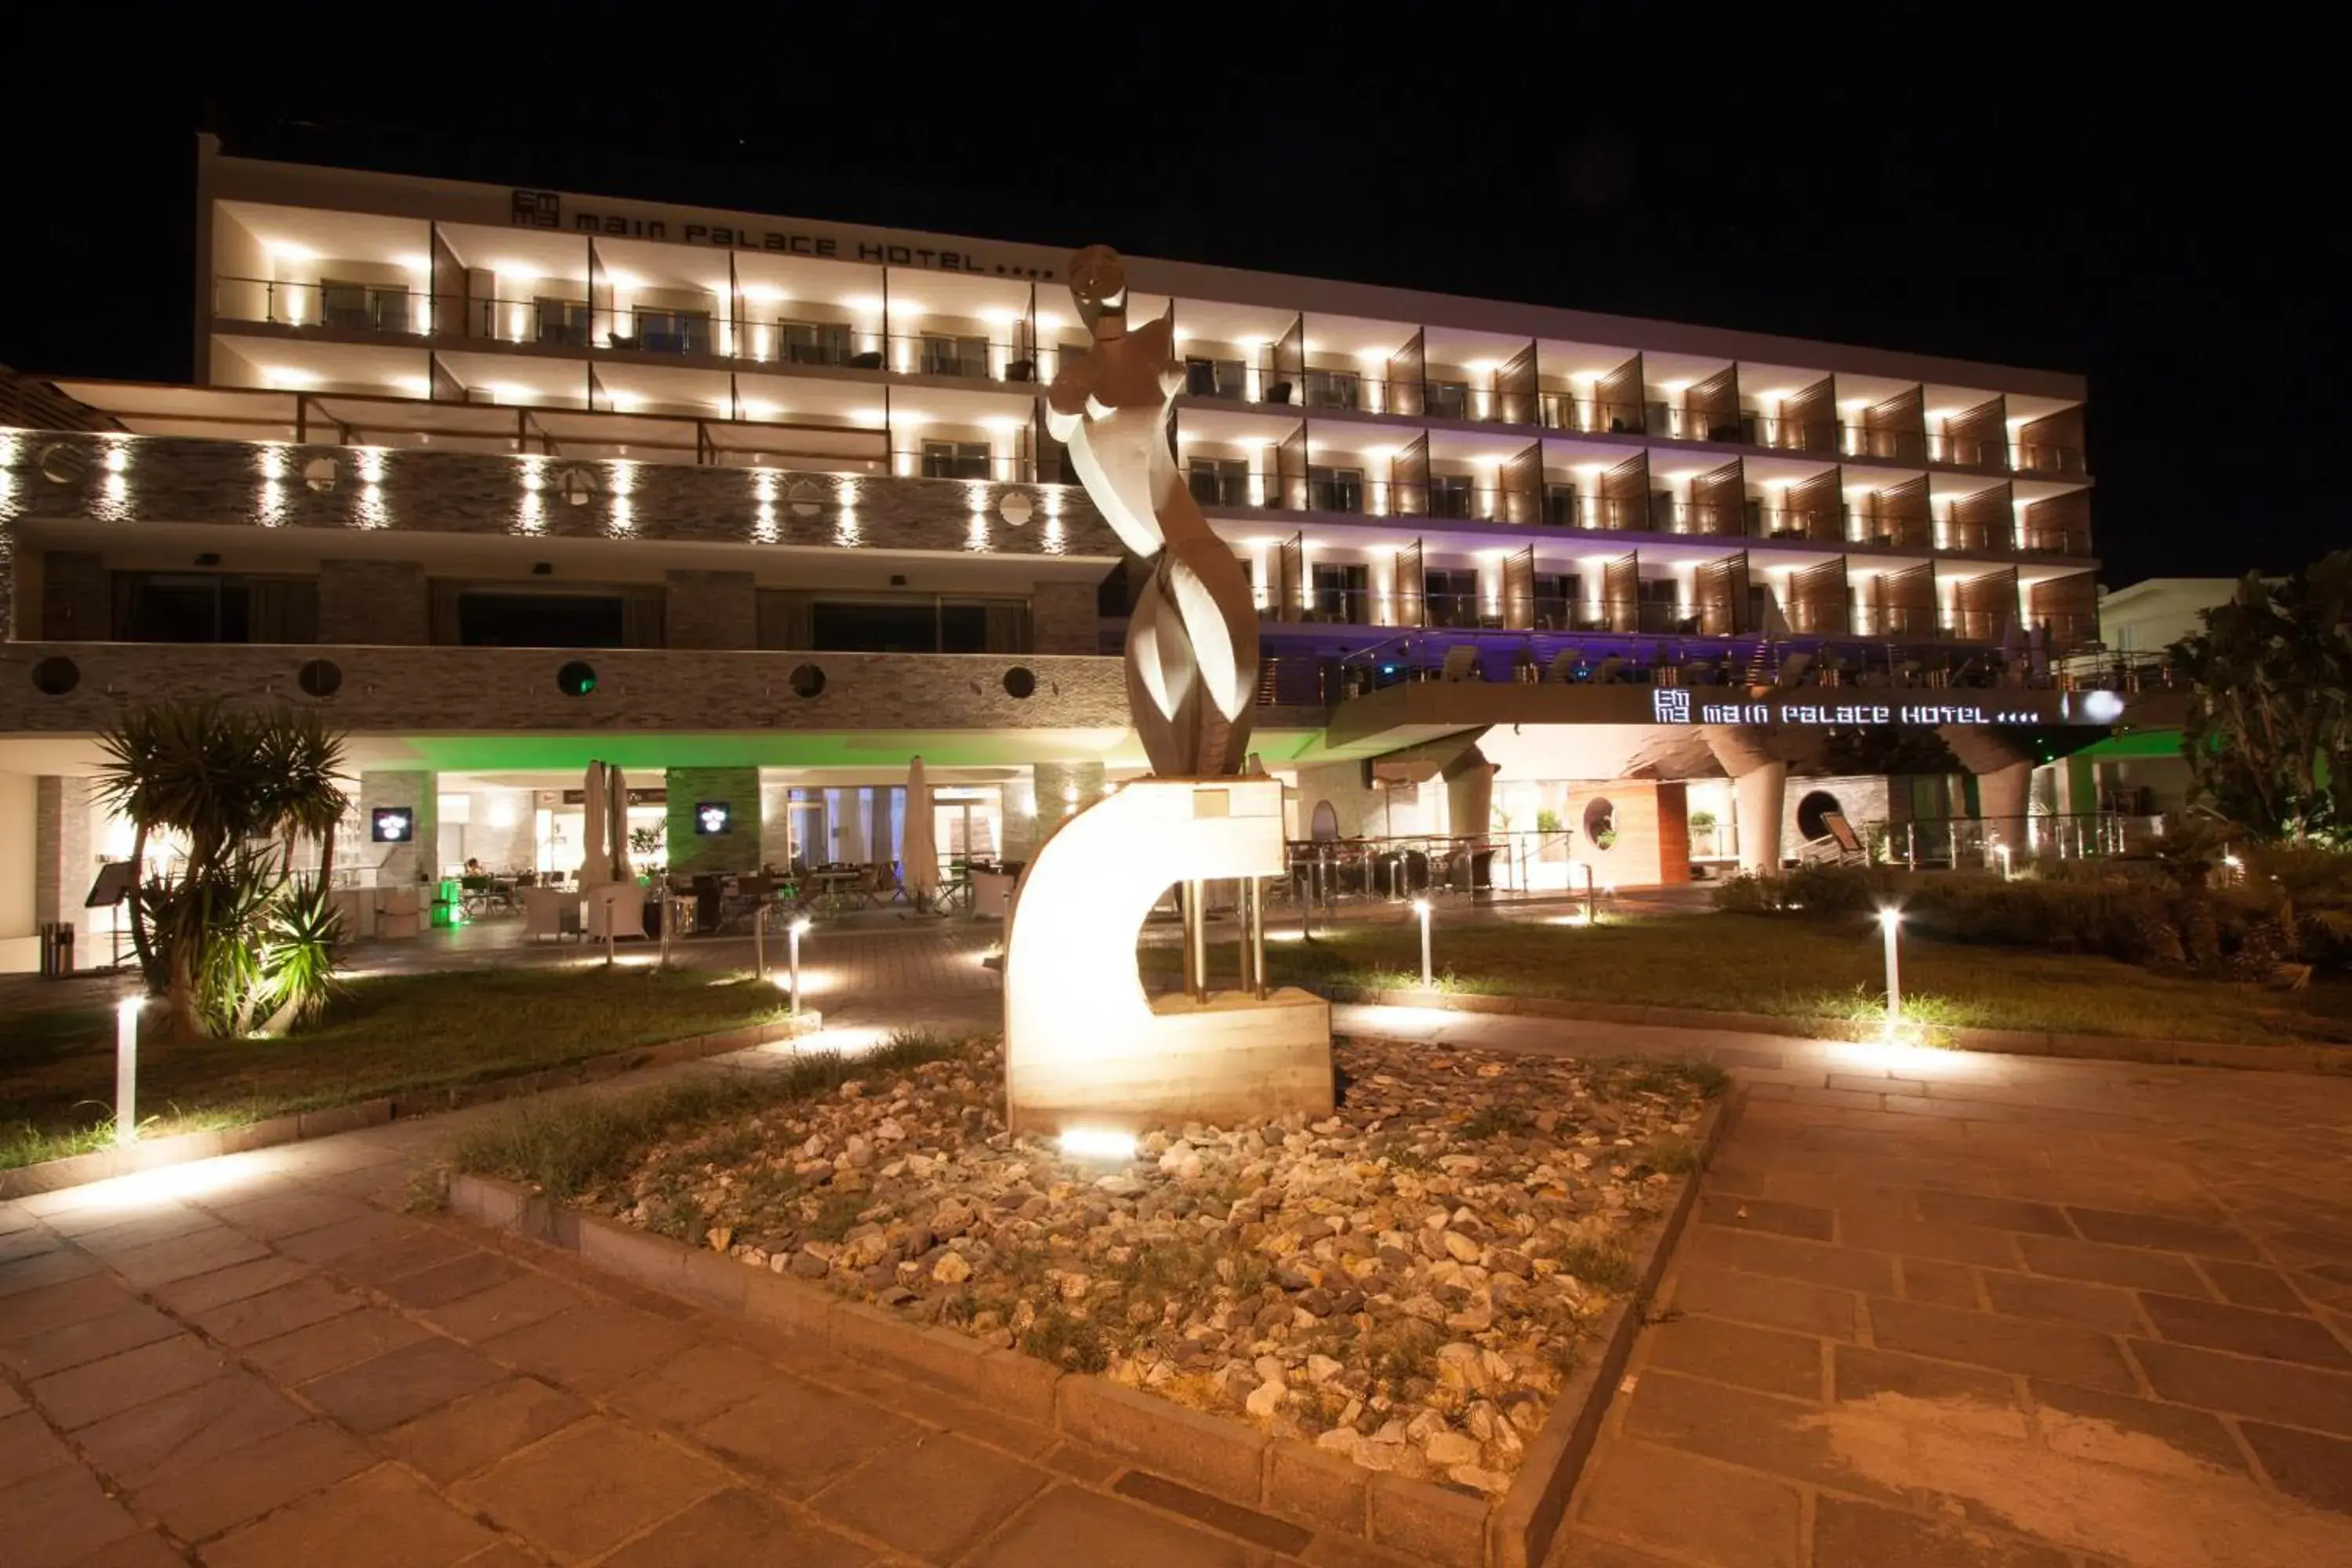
[1469, 795]
[414, 860]
[1760, 793]
[690, 851]
[2002, 797]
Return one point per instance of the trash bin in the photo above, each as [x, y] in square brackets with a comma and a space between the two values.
[57, 949]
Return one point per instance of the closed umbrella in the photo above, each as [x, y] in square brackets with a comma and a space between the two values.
[595, 815]
[921, 854]
[616, 786]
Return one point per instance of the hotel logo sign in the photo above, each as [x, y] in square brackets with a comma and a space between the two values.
[544, 209]
[1672, 705]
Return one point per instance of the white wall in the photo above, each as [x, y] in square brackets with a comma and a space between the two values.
[19, 948]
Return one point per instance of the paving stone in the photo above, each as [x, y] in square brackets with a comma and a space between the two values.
[401, 1385]
[42, 1309]
[2276, 1335]
[382, 1518]
[1081, 1462]
[203, 1292]
[49, 1268]
[693, 1386]
[393, 1258]
[799, 1437]
[2039, 1350]
[1761, 1299]
[281, 1214]
[2064, 1409]
[2251, 1285]
[247, 1482]
[2158, 1231]
[451, 1280]
[1717, 1515]
[369, 1229]
[200, 1252]
[1575, 1549]
[1066, 1525]
[1845, 1267]
[2303, 1464]
[1765, 1214]
[58, 1516]
[590, 1348]
[590, 1487]
[1945, 1284]
[90, 1393]
[144, 1550]
[468, 1434]
[2110, 1265]
[2062, 1301]
[966, 1491]
[1921, 1238]
[1737, 1353]
[1738, 1427]
[312, 1299]
[108, 1232]
[1992, 1214]
[27, 1447]
[1860, 1535]
[2273, 1391]
[731, 1529]
[187, 1429]
[1861, 1372]
[89, 1340]
[332, 1342]
[505, 1307]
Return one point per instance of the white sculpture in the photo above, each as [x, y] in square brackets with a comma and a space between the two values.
[1083, 1046]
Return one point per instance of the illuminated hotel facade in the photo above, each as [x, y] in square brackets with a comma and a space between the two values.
[506, 480]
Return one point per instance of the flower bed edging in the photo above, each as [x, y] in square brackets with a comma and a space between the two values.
[2285, 1058]
[1229, 1458]
[103, 1165]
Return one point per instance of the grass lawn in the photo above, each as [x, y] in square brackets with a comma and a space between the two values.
[388, 1034]
[1754, 963]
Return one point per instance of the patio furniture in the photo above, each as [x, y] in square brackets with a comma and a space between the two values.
[549, 911]
[1461, 663]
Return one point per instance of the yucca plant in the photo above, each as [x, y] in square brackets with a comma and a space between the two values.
[240, 790]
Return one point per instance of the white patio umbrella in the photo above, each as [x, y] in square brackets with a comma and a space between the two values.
[595, 816]
[616, 805]
[918, 852]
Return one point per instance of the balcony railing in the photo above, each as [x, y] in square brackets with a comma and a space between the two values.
[1012, 357]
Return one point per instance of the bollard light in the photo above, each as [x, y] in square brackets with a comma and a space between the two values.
[1421, 908]
[759, 943]
[798, 929]
[2003, 850]
[1890, 922]
[126, 1069]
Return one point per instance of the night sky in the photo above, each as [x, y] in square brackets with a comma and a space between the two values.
[2181, 248]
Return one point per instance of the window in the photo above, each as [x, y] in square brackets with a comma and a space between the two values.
[1219, 481]
[215, 607]
[563, 321]
[494, 619]
[816, 342]
[1660, 602]
[955, 356]
[1333, 389]
[956, 460]
[1449, 495]
[1225, 378]
[1450, 597]
[673, 332]
[1343, 594]
[1555, 596]
[1448, 399]
[1334, 489]
[363, 307]
[1560, 505]
[919, 624]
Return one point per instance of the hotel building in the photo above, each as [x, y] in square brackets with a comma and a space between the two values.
[504, 481]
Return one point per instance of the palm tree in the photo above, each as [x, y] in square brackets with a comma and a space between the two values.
[224, 780]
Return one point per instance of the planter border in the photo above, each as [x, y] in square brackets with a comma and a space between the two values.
[102, 1165]
[2285, 1058]
[1230, 1460]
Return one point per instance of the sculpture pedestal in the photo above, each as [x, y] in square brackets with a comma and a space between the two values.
[1229, 1059]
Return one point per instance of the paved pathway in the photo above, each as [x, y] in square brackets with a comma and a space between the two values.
[1936, 1309]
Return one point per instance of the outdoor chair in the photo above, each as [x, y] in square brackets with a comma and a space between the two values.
[1563, 666]
[1792, 669]
[1605, 672]
[1460, 664]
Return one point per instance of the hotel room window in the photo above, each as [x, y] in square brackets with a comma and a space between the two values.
[1225, 378]
[1448, 399]
[1449, 495]
[563, 321]
[1334, 489]
[363, 307]
[1449, 597]
[955, 460]
[944, 355]
[673, 332]
[1333, 389]
[1219, 481]
[816, 342]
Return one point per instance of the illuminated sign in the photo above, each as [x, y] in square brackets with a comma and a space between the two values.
[1674, 705]
[713, 816]
[544, 209]
[391, 825]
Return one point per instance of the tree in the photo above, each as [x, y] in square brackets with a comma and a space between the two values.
[231, 935]
[2269, 732]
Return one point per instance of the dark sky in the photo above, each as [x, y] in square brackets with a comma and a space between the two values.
[2171, 231]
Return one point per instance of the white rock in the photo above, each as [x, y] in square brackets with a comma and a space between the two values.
[953, 1269]
[1265, 1399]
[1342, 1440]
[1446, 1450]
[1322, 1368]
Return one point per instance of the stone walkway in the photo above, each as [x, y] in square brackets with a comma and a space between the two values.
[1946, 1309]
[1935, 1308]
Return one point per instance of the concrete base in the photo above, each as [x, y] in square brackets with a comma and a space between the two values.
[1231, 1058]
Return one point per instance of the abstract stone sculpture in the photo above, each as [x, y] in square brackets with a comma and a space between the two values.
[1191, 642]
